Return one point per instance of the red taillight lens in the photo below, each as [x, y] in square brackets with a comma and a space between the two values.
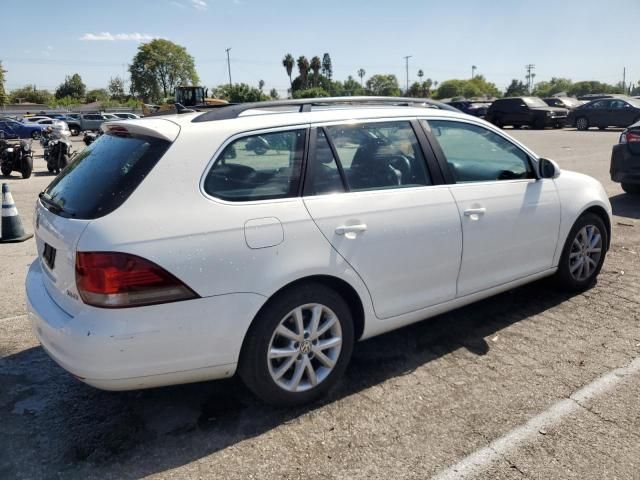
[117, 280]
[632, 137]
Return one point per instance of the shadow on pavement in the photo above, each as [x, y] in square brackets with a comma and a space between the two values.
[61, 427]
[626, 205]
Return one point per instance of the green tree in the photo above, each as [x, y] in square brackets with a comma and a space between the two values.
[327, 68]
[383, 85]
[97, 95]
[350, 87]
[273, 94]
[116, 88]
[3, 92]
[421, 89]
[303, 68]
[315, 65]
[361, 73]
[593, 86]
[554, 86]
[160, 66]
[261, 85]
[313, 92]
[516, 89]
[72, 87]
[239, 93]
[288, 62]
[30, 94]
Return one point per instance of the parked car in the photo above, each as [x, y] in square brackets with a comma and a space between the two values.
[471, 107]
[625, 160]
[13, 129]
[355, 222]
[72, 123]
[563, 102]
[59, 125]
[606, 112]
[126, 115]
[35, 118]
[531, 111]
[110, 116]
[91, 121]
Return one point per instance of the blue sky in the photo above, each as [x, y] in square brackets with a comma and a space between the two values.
[579, 39]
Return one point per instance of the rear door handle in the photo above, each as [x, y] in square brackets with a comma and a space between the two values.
[475, 211]
[344, 229]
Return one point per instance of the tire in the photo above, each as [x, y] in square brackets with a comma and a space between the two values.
[6, 171]
[571, 275]
[538, 124]
[75, 131]
[602, 128]
[50, 168]
[497, 121]
[517, 127]
[273, 379]
[582, 124]
[632, 188]
[35, 135]
[27, 166]
[260, 150]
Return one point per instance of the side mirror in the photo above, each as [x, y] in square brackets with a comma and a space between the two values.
[548, 168]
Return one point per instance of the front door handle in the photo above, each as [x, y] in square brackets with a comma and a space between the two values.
[475, 211]
[345, 229]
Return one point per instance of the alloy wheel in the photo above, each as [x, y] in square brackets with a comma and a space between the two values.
[582, 124]
[305, 347]
[585, 253]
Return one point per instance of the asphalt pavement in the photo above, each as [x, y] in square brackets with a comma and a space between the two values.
[533, 383]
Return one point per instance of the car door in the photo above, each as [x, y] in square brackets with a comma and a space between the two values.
[510, 218]
[8, 132]
[369, 191]
[622, 114]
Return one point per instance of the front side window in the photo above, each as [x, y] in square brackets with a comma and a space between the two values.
[475, 154]
[324, 173]
[379, 155]
[258, 167]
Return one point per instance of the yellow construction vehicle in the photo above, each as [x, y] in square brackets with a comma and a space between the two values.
[190, 97]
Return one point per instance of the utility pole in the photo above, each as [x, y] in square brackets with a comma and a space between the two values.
[624, 79]
[229, 65]
[473, 71]
[406, 62]
[530, 75]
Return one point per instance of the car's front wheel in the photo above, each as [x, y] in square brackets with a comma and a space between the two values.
[582, 124]
[298, 346]
[583, 253]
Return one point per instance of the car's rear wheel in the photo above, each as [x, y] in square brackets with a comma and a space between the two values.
[602, 128]
[538, 124]
[75, 131]
[298, 346]
[582, 124]
[633, 188]
[583, 253]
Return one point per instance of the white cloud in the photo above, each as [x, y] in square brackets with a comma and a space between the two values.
[110, 37]
[199, 4]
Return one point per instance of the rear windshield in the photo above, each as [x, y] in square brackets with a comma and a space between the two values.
[103, 175]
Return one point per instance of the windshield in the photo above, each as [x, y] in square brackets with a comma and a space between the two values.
[534, 102]
[102, 176]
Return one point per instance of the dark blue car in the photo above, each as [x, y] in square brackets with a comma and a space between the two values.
[13, 129]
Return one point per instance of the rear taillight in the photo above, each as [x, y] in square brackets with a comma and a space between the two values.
[630, 137]
[118, 280]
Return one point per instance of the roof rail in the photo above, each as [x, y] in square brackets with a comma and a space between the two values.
[225, 112]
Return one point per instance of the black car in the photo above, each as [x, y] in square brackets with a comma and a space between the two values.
[471, 107]
[625, 160]
[531, 111]
[563, 102]
[606, 112]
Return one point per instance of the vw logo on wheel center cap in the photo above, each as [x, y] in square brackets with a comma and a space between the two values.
[305, 347]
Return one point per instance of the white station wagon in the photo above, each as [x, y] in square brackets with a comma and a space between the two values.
[267, 238]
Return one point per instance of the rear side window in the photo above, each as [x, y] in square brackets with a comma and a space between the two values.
[258, 167]
[102, 176]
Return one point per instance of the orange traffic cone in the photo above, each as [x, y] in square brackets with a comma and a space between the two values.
[12, 230]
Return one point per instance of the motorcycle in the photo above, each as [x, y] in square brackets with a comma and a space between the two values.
[58, 154]
[16, 157]
[90, 137]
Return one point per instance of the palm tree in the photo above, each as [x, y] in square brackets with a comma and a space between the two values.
[303, 67]
[420, 74]
[315, 67]
[361, 74]
[288, 62]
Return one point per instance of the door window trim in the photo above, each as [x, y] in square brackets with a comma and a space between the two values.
[532, 158]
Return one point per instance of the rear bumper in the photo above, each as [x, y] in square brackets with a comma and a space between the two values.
[142, 347]
[625, 166]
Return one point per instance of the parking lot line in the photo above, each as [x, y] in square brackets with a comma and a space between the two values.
[478, 461]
